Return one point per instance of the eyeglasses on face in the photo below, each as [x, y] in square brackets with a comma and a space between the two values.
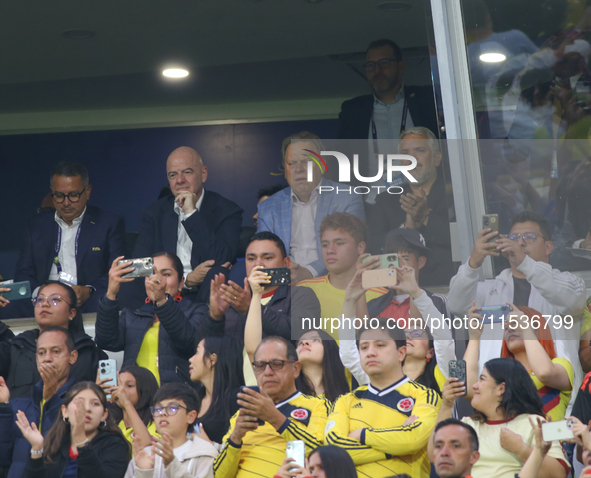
[276, 365]
[53, 299]
[170, 409]
[528, 237]
[73, 196]
[383, 64]
[414, 334]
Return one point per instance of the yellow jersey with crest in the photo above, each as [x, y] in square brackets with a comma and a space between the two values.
[386, 446]
[263, 450]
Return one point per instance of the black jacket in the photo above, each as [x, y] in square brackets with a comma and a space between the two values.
[5, 333]
[387, 214]
[184, 324]
[106, 456]
[19, 367]
[283, 315]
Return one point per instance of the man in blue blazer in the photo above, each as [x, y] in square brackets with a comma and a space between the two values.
[75, 242]
[201, 227]
[296, 212]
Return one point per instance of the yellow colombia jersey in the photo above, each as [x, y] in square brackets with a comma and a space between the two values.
[331, 299]
[386, 448]
[263, 450]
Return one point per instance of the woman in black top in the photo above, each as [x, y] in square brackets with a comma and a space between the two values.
[217, 365]
[84, 442]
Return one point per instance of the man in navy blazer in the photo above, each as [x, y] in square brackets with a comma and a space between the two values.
[392, 105]
[74, 241]
[201, 227]
[295, 213]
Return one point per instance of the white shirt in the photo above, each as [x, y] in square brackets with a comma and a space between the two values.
[67, 252]
[388, 119]
[184, 245]
[303, 248]
[180, 451]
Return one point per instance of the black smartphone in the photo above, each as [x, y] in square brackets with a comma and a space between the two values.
[457, 368]
[256, 389]
[279, 275]
[18, 290]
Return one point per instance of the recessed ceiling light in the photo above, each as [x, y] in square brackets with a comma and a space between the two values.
[175, 73]
[394, 6]
[78, 34]
[492, 57]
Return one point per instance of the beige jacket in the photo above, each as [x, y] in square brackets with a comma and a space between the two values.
[198, 463]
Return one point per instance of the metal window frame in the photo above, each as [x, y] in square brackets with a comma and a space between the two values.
[460, 125]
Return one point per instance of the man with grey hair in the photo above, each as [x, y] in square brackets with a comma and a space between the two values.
[296, 212]
[422, 206]
[201, 227]
[74, 243]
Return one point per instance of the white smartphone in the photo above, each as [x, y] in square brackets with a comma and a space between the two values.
[108, 369]
[296, 449]
[561, 430]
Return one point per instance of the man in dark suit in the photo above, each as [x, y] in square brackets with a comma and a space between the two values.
[390, 109]
[75, 243]
[201, 227]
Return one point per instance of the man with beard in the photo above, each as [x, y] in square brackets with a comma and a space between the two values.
[392, 108]
[421, 206]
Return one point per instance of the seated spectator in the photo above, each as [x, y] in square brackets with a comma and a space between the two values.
[75, 243]
[84, 441]
[384, 425]
[324, 462]
[455, 449]
[280, 304]
[270, 416]
[217, 365]
[530, 282]
[264, 194]
[323, 373]
[56, 305]
[427, 355]
[296, 212]
[201, 227]
[55, 357]
[533, 348]
[342, 237]
[130, 403]
[161, 335]
[410, 246]
[504, 400]
[421, 207]
[177, 453]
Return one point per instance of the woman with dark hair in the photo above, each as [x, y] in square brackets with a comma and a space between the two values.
[527, 339]
[504, 398]
[217, 365]
[161, 335]
[55, 305]
[321, 365]
[131, 401]
[84, 442]
[324, 462]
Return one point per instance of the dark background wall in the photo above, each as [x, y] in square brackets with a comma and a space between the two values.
[127, 168]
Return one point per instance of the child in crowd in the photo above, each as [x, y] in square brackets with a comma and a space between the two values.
[84, 442]
[177, 453]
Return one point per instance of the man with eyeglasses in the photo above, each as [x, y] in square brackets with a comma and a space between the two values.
[270, 416]
[530, 281]
[392, 107]
[55, 356]
[75, 243]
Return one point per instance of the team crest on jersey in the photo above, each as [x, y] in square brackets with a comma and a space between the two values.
[405, 405]
[300, 414]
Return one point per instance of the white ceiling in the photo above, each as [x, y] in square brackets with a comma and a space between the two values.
[241, 50]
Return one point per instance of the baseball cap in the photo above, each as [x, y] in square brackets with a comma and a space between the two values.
[414, 238]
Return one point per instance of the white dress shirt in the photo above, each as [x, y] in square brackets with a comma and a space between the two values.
[67, 250]
[303, 248]
[184, 245]
[388, 119]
